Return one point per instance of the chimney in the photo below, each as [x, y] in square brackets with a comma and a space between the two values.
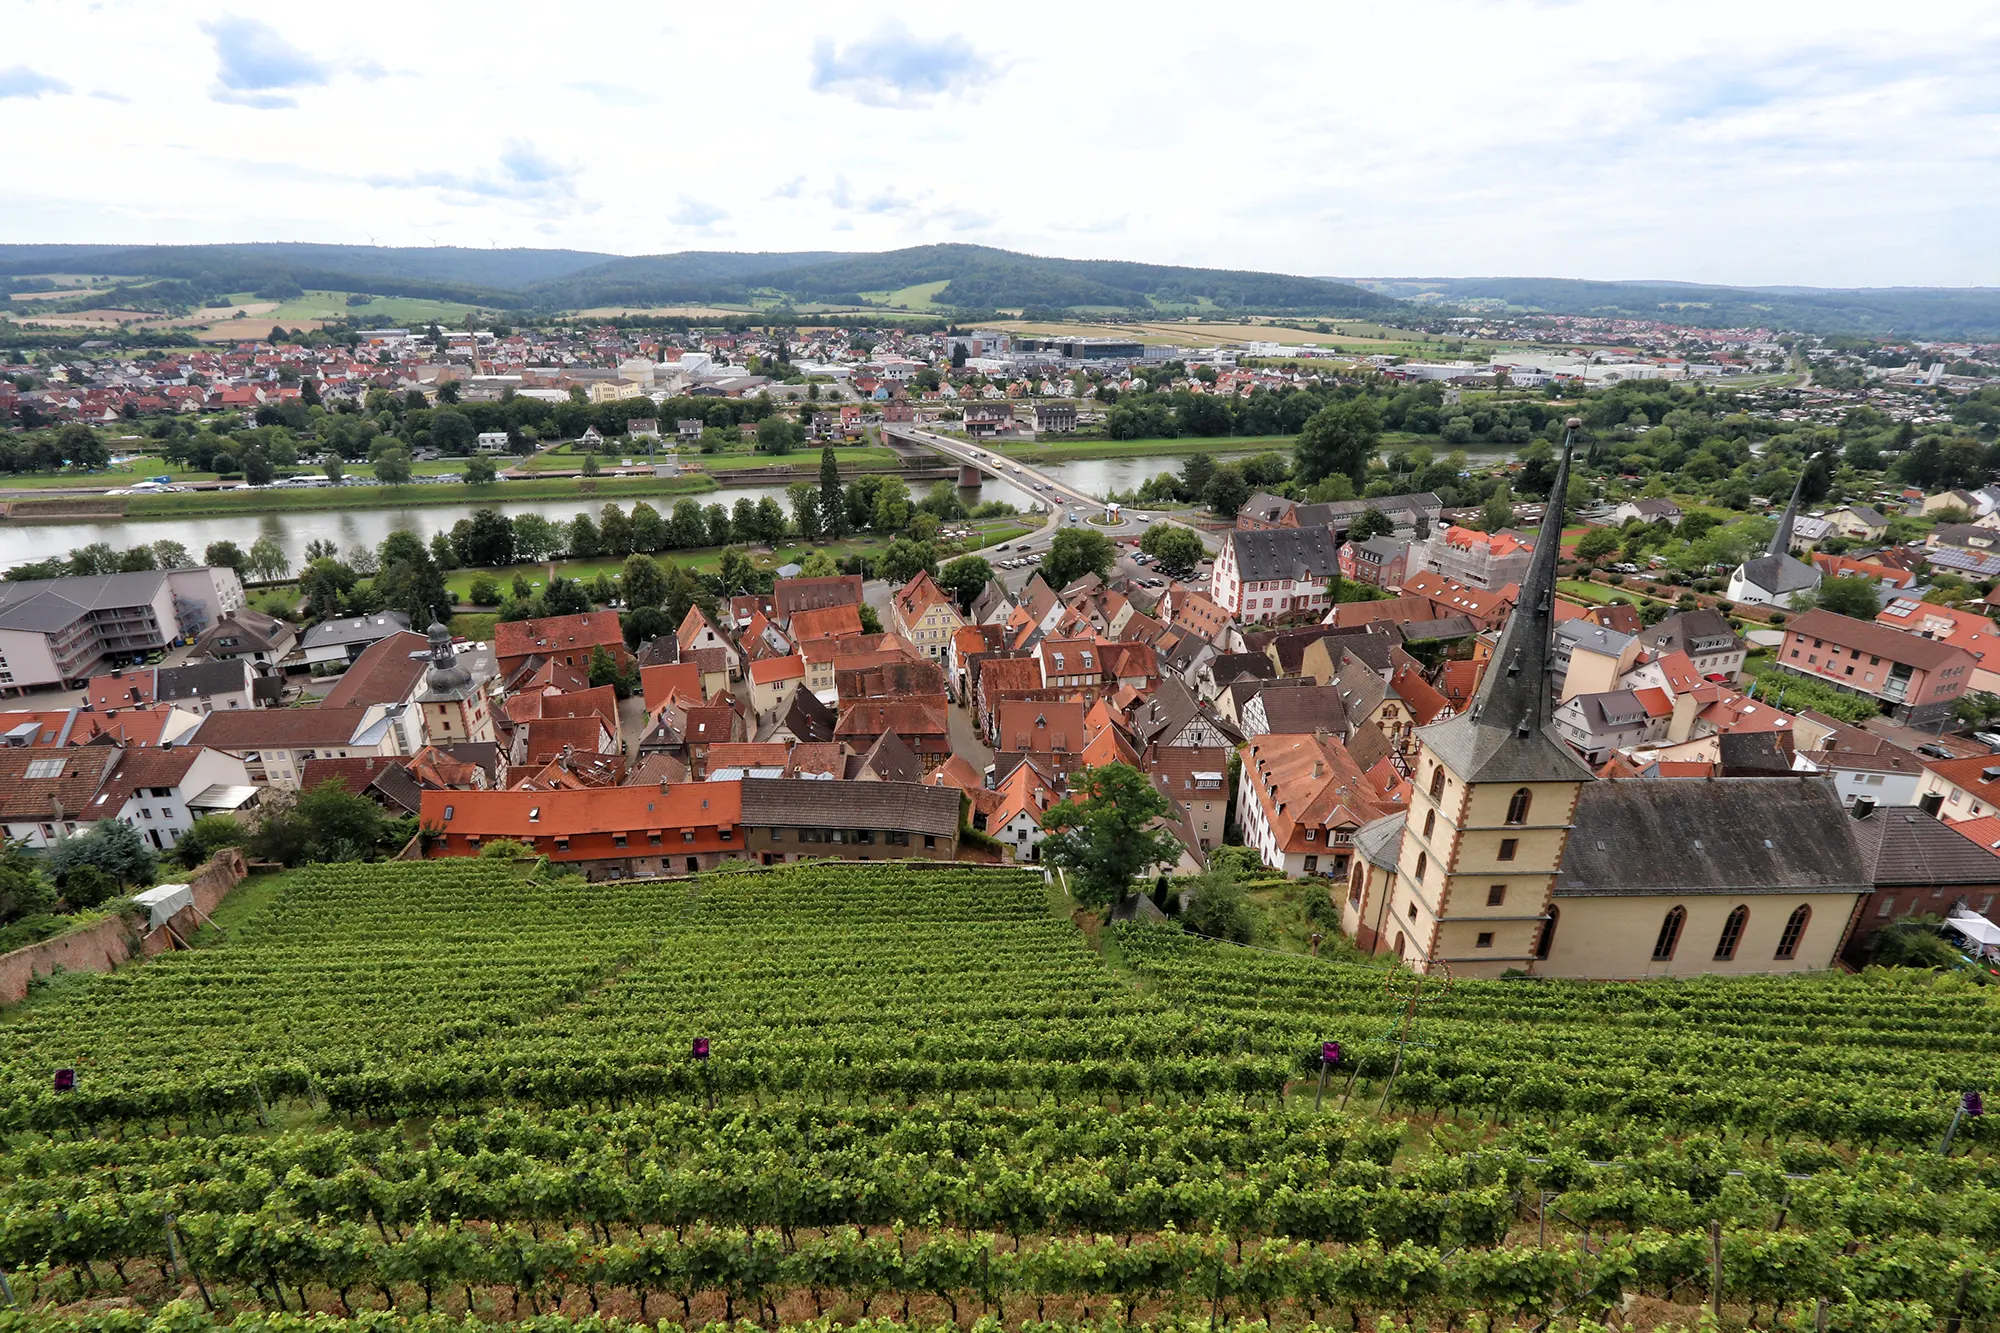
[1864, 806]
[1319, 768]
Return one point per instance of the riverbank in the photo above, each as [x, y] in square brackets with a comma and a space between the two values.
[1072, 450]
[190, 504]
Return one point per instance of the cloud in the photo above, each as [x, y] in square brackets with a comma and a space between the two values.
[612, 94]
[791, 189]
[255, 65]
[104, 95]
[695, 213]
[20, 81]
[895, 68]
[523, 172]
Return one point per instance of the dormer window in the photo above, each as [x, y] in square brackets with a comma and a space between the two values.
[535, 814]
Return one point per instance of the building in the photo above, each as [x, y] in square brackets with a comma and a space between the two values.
[1301, 799]
[1647, 511]
[1267, 573]
[251, 635]
[603, 832]
[569, 640]
[1055, 418]
[926, 615]
[1706, 637]
[1953, 625]
[1914, 679]
[452, 703]
[1775, 577]
[1514, 858]
[1917, 866]
[985, 420]
[1594, 725]
[1864, 767]
[1590, 659]
[791, 596]
[1379, 562]
[793, 819]
[334, 644]
[1485, 560]
[64, 631]
[195, 687]
[276, 743]
[161, 792]
[46, 791]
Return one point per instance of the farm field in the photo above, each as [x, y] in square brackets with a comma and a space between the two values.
[465, 1093]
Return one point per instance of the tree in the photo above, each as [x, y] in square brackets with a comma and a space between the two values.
[614, 531]
[392, 466]
[485, 591]
[1227, 491]
[778, 435]
[226, 553]
[1597, 544]
[1340, 439]
[324, 823]
[1100, 834]
[335, 467]
[1216, 906]
[1196, 472]
[606, 670]
[591, 467]
[905, 559]
[643, 625]
[649, 530]
[806, 512]
[110, 845]
[411, 582]
[965, 578]
[1175, 550]
[207, 836]
[267, 559]
[1371, 522]
[892, 505]
[565, 597]
[641, 581]
[832, 501]
[24, 889]
[1850, 595]
[480, 470]
[536, 539]
[171, 555]
[1498, 511]
[1076, 552]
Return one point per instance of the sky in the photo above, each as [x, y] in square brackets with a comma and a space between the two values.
[1825, 143]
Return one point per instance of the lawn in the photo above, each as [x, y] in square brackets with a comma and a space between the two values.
[1602, 593]
[397, 497]
[381, 311]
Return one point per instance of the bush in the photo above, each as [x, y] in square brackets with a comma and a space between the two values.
[485, 591]
[209, 835]
[111, 847]
[503, 849]
[1215, 907]
[86, 887]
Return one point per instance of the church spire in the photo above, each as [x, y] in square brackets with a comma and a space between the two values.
[1781, 540]
[1503, 736]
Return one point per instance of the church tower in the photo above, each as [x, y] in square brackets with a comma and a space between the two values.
[452, 702]
[1494, 794]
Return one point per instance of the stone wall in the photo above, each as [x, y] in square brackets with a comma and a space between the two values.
[102, 946]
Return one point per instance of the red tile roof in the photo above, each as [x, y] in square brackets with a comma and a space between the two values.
[554, 634]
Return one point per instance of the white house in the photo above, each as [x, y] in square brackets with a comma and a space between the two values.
[1275, 572]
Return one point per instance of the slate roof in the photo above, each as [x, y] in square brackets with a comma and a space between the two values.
[1779, 574]
[1284, 553]
[1735, 836]
[808, 719]
[41, 605]
[819, 803]
[1689, 632]
[1306, 708]
[354, 629]
[1903, 845]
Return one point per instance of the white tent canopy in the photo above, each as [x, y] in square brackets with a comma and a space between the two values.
[164, 902]
[1974, 927]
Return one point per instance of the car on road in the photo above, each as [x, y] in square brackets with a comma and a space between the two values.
[1932, 750]
[1989, 739]
[1144, 518]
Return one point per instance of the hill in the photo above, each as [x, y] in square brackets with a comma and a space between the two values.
[1914, 312]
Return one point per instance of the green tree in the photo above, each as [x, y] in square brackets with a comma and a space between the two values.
[1850, 595]
[1498, 511]
[806, 512]
[1371, 522]
[110, 845]
[832, 499]
[485, 591]
[591, 467]
[1227, 491]
[607, 670]
[1076, 552]
[489, 539]
[1597, 544]
[393, 467]
[24, 890]
[905, 559]
[892, 505]
[965, 578]
[225, 553]
[171, 555]
[1175, 550]
[267, 559]
[207, 836]
[324, 823]
[1216, 906]
[1340, 439]
[1100, 834]
[335, 466]
[1197, 470]
[641, 581]
[480, 470]
[778, 435]
[536, 538]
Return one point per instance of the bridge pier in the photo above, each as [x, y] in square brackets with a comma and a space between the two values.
[970, 475]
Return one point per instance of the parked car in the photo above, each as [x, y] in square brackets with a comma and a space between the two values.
[1989, 739]
[1932, 750]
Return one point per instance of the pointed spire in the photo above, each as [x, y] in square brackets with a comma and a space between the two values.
[1781, 540]
[1503, 735]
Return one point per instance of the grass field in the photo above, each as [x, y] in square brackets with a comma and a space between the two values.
[190, 503]
[328, 305]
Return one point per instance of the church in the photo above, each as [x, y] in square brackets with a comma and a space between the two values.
[1777, 576]
[1515, 857]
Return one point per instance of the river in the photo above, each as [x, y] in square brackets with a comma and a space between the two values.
[350, 529]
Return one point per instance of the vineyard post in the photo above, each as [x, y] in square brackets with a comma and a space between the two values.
[1329, 1056]
[1969, 1103]
[1715, 1266]
[174, 1254]
[7, 1290]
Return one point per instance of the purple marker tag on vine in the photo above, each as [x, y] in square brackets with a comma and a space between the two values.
[65, 1080]
[701, 1048]
[1975, 1105]
[1329, 1051]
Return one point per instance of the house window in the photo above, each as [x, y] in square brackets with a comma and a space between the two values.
[652, 840]
[447, 811]
[1517, 806]
[1732, 934]
[1354, 886]
[687, 835]
[1888, 906]
[930, 841]
[1485, 940]
[1430, 823]
[618, 840]
[1548, 933]
[1496, 894]
[1413, 911]
[1437, 782]
[1795, 927]
[1312, 864]
[1423, 864]
[1508, 847]
[535, 815]
[1670, 935]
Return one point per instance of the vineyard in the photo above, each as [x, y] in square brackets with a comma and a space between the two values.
[449, 1095]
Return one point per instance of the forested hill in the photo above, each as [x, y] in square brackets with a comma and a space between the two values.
[965, 277]
[968, 278]
[1916, 312]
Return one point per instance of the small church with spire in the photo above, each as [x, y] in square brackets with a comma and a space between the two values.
[1777, 576]
[1513, 857]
